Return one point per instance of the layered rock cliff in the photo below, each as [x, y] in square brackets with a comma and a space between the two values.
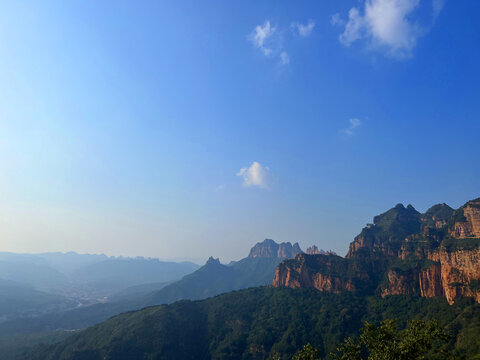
[467, 220]
[403, 252]
[324, 272]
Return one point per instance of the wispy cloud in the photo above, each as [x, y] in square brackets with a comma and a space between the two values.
[271, 40]
[391, 26]
[284, 58]
[255, 175]
[303, 30]
[437, 6]
[354, 124]
[336, 19]
[260, 35]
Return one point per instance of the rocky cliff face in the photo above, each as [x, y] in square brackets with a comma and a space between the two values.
[270, 249]
[303, 272]
[459, 273]
[467, 220]
[403, 252]
[430, 281]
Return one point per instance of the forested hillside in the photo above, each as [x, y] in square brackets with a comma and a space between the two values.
[259, 323]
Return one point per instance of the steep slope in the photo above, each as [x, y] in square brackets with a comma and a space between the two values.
[211, 279]
[256, 324]
[403, 252]
[466, 220]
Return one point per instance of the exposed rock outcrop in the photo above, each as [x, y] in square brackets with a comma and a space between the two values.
[467, 220]
[430, 281]
[314, 250]
[270, 249]
[323, 272]
[403, 252]
[459, 269]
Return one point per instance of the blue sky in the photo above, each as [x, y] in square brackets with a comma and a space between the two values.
[189, 129]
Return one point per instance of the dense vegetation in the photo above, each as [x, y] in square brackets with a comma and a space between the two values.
[267, 323]
[260, 323]
[212, 279]
[419, 340]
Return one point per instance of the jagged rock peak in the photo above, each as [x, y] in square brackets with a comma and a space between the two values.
[270, 249]
[314, 250]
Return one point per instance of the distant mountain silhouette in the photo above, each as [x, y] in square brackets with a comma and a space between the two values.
[215, 278]
[87, 277]
[111, 276]
[209, 280]
[20, 300]
[270, 249]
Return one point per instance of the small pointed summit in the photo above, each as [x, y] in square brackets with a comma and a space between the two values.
[212, 261]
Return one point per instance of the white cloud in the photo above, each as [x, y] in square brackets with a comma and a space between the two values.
[284, 58]
[260, 35]
[336, 19]
[303, 30]
[388, 25]
[255, 175]
[354, 123]
[353, 28]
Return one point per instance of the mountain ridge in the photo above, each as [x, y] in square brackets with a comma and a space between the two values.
[403, 252]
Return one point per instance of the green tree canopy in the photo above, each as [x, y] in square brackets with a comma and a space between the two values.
[308, 352]
[386, 342]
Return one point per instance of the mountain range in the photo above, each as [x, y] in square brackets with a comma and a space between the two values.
[258, 269]
[87, 278]
[214, 278]
[405, 264]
